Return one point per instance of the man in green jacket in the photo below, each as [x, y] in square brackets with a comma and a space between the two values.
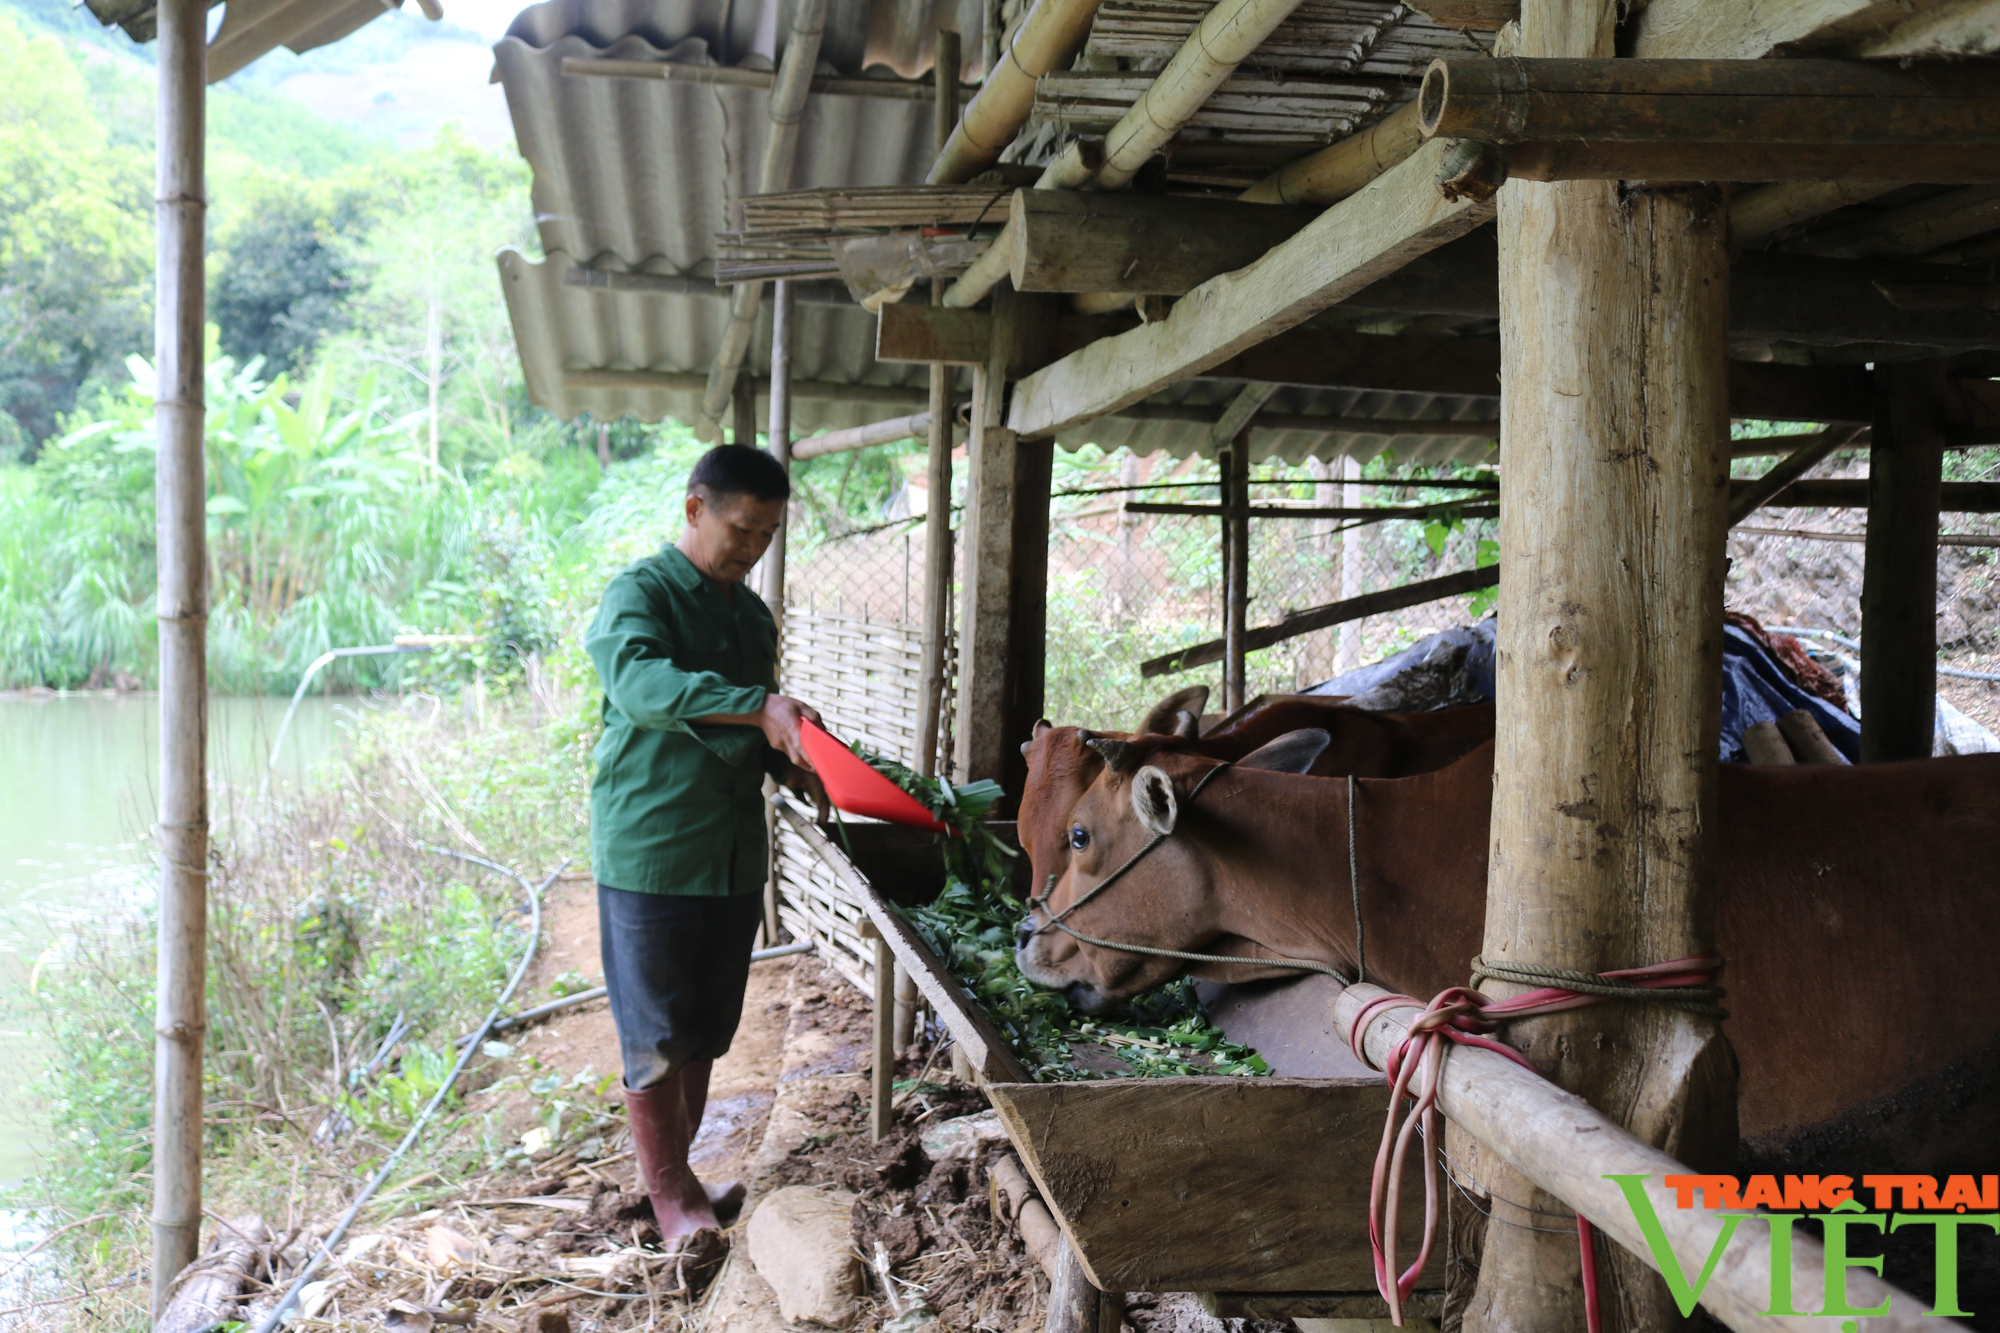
[693, 722]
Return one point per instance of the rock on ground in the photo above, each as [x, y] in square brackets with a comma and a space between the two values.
[802, 1242]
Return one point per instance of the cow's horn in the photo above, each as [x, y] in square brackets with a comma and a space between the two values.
[1115, 753]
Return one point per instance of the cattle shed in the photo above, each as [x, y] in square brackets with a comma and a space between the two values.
[1563, 244]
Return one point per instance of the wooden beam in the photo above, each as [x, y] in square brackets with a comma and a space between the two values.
[1899, 571]
[1948, 164]
[1773, 296]
[1749, 29]
[1322, 617]
[673, 381]
[1805, 103]
[1755, 214]
[1911, 230]
[1073, 241]
[1749, 499]
[1954, 497]
[933, 333]
[1399, 216]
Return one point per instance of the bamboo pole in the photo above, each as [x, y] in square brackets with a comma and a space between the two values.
[780, 435]
[1567, 1149]
[937, 512]
[1048, 39]
[914, 426]
[774, 173]
[1615, 427]
[730, 76]
[1340, 169]
[1829, 102]
[180, 482]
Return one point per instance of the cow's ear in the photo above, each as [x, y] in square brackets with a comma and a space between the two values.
[1164, 720]
[1187, 726]
[1153, 800]
[1042, 725]
[1293, 752]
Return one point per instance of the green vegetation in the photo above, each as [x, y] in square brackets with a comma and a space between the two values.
[971, 927]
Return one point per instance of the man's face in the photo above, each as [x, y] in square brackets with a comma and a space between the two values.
[727, 534]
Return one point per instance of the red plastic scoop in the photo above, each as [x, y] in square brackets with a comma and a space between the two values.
[858, 789]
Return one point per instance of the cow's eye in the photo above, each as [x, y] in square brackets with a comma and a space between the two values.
[1079, 837]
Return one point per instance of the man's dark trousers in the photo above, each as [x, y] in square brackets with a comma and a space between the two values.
[675, 969]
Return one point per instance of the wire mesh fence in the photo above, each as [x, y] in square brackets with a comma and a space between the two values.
[1125, 587]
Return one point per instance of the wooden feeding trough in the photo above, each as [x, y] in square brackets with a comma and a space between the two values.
[1251, 1191]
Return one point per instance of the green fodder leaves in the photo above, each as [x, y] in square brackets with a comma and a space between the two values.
[971, 925]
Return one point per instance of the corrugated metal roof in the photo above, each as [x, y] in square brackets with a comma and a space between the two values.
[637, 175]
[252, 29]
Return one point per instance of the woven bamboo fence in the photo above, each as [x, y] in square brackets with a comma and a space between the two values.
[865, 678]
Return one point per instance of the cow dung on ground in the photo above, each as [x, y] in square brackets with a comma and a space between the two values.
[802, 1242]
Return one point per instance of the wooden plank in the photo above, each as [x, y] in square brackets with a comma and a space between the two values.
[1803, 103]
[1955, 497]
[1073, 241]
[906, 332]
[1321, 617]
[976, 1034]
[1398, 216]
[1899, 570]
[1909, 164]
[1173, 1184]
[1748, 29]
[1336, 359]
[1776, 297]
[1912, 229]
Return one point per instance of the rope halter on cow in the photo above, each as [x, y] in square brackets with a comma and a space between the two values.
[1462, 1016]
[1040, 902]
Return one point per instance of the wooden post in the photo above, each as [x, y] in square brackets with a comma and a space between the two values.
[882, 1074]
[743, 413]
[1899, 576]
[937, 513]
[1007, 553]
[1615, 432]
[1235, 462]
[780, 434]
[1075, 1305]
[180, 487]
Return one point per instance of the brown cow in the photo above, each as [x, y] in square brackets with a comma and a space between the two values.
[1858, 914]
[1062, 765]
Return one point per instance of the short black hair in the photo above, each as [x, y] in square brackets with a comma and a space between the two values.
[738, 469]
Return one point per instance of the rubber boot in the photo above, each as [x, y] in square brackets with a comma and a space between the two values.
[727, 1197]
[660, 1137]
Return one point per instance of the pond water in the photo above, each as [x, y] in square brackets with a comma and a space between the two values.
[78, 777]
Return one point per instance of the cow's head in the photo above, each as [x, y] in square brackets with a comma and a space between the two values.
[1167, 899]
[1064, 761]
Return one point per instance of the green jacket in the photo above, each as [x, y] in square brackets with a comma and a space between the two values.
[675, 808]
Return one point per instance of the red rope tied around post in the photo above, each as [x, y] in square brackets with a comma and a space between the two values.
[1463, 1016]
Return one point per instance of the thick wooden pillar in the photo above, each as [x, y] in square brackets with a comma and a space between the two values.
[1899, 579]
[1007, 567]
[180, 1022]
[1615, 445]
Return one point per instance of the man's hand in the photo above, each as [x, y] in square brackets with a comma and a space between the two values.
[805, 784]
[779, 719]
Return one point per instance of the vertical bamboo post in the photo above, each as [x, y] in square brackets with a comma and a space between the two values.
[1899, 571]
[937, 513]
[779, 431]
[1615, 429]
[180, 485]
[1235, 567]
